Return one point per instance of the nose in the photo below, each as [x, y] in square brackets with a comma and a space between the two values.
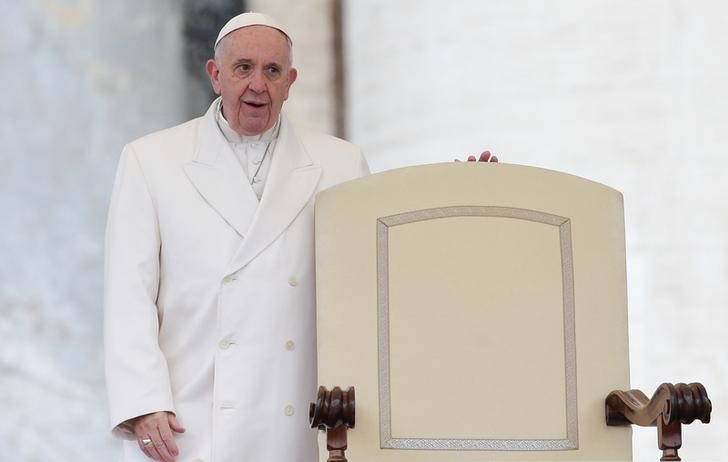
[257, 82]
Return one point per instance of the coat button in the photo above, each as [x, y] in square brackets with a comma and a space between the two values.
[230, 278]
[292, 281]
[224, 344]
[290, 345]
[227, 405]
[289, 410]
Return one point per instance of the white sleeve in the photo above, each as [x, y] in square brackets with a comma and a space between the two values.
[137, 379]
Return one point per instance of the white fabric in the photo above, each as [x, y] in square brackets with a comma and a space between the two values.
[209, 296]
[250, 19]
[254, 153]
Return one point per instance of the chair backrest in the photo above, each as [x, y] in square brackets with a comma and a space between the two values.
[479, 310]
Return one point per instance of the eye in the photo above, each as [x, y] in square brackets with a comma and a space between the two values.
[273, 71]
[243, 67]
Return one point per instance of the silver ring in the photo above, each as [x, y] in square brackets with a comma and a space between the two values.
[146, 441]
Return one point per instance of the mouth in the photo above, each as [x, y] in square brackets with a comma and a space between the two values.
[254, 104]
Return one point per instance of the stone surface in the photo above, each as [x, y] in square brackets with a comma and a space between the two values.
[630, 94]
[311, 101]
[78, 81]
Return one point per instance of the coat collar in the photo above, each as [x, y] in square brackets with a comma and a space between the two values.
[291, 183]
[218, 177]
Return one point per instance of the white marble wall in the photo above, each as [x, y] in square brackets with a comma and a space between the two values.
[311, 101]
[630, 94]
[79, 79]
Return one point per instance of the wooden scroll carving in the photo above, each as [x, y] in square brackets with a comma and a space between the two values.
[333, 411]
[670, 406]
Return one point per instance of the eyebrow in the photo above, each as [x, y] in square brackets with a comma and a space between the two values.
[242, 61]
[250, 61]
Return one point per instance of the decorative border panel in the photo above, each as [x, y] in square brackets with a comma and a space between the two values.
[567, 278]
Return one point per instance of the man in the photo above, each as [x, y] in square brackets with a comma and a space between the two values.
[209, 281]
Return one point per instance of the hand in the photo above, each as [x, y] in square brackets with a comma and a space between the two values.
[158, 427]
[484, 157]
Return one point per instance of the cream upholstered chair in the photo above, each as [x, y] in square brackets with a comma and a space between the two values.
[479, 312]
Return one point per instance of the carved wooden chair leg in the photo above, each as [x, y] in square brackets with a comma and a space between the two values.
[669, 439]
[334, 411]
[336, 444]
[670, 406]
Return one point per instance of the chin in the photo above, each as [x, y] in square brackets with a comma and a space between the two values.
[255, 128]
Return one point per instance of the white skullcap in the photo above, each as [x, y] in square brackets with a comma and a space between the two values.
[250, 19]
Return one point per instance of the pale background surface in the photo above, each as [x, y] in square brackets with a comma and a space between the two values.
[77, 82]
[627, 93]
[630, 94]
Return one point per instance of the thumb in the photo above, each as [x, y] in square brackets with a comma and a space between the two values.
[172, 419]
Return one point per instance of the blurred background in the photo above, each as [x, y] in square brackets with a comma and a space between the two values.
[628, 93]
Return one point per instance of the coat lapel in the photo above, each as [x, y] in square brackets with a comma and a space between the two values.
[291, 182]
[219, 178]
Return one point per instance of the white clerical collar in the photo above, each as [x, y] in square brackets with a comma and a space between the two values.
[234, 137]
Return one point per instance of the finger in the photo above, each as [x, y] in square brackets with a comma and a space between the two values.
[153, 453]
[174, 425]
[494, 159]
[168, 439]
[484, 156]
[144, 449]
[161, 447]
[149, 450]
[457, 160]
[471, 158]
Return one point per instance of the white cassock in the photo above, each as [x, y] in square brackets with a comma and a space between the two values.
[209, 294]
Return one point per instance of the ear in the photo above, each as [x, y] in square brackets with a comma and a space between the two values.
[214, 73]
[292, 75]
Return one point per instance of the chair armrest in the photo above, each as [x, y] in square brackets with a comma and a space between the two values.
[670, 406]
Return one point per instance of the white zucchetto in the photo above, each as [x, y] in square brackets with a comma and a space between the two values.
[250, 19]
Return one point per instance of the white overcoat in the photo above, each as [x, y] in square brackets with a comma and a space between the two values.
[209, 294]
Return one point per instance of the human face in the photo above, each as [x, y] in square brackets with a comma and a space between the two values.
[252, 72]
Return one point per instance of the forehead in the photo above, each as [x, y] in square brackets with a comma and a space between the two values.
[256, 42]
